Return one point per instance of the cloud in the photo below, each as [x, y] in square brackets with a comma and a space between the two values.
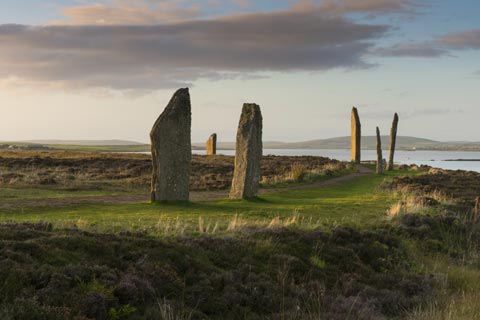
[412, 49]
[151, 12]
[370, 6]
[140, 12]
[176, 54]
[439, 46]
[127, 13]
[469, 39]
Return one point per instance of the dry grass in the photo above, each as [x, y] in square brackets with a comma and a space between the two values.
[301, 173]
[167, 312]
[461, 187]
[416, 202]
[459, 297]
[167, 227]
[410, 204]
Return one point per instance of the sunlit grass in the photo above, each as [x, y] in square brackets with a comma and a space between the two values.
[19, 194]
[356, 202]
[459, 298]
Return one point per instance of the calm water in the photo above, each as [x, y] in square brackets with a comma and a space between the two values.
[431, 158]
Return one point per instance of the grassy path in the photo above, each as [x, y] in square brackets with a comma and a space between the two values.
[55, 200]
[353, 199]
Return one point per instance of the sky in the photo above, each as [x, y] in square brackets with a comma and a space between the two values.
[106, 69]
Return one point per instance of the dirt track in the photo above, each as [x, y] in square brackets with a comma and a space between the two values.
[194, 196]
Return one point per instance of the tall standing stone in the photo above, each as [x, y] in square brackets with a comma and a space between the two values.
[172, 150]
[393, 141]
[356, 137]
[212, 145]
[248, 154]
[379, 153]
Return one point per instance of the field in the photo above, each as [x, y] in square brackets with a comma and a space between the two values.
[325, 240]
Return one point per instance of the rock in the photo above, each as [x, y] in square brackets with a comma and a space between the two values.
[212, 145]
[356, 136]
[172, 150]
[380, 163]
[393, 141]
[248, 154]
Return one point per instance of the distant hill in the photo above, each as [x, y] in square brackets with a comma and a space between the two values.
[77, 145]
[85, 142]
[368, 142]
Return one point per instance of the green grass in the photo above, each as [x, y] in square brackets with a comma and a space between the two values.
[356, 202]
[19, 194]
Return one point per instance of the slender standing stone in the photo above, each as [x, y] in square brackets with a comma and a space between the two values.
[379, 153]
[248, 154]
[356, 136]
[393, 141]
[212, 145]
[172, 150]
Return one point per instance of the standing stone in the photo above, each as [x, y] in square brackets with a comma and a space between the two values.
[172, 150]
[380, 163]
[212, 145]
[248, 154]
[393, 141]
[356, 136]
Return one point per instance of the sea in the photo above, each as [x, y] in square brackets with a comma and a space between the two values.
[452, 160]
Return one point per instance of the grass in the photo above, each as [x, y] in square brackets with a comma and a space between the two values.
[356, 202]
[361, 203]
[459, 298]
[18, 193]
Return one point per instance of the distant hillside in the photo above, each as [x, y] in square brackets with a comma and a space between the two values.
[85, 142]
[368, 142]
[76, 145]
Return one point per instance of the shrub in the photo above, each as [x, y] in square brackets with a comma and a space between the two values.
[275, 273]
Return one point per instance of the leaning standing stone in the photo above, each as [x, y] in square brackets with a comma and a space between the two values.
[212, 145]
[248, 154]
[393, 141]
[356, 137]
[172, 150]
[380, 163]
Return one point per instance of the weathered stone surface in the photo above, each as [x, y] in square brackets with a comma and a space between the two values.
[172, 150]
[212, 145]
[248, 154]
[380, 163]
[393, 141]
[356, 138]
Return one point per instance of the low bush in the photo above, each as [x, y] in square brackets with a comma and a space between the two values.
[282, 273]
